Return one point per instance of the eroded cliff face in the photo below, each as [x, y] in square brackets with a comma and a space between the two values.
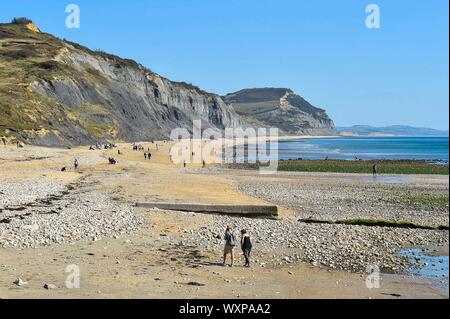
[58, 93]
[122, 100]
[281, 108]
[300, 117]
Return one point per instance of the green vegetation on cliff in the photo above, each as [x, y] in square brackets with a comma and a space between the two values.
[281, 108]
[55, 92]
[25, 56]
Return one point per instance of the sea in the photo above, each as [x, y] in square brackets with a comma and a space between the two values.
[366, 148]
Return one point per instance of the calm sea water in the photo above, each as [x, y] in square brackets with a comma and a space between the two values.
[426, 148]
[366, 148]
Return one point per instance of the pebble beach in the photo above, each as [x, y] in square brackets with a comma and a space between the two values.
[44, 208]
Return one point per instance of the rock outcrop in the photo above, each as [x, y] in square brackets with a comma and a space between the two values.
[282, 108]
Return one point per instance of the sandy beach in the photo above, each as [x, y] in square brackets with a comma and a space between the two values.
[87, 217]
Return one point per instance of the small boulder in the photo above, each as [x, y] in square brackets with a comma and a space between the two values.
[19, 282]
[33, 227]
[50, 286]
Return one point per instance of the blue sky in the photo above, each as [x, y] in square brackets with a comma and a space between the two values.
[397, 74]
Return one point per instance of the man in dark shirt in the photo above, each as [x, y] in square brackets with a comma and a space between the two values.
[246, 246]
[375, 169]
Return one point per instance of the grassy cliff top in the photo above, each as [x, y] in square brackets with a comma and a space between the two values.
[256, 95]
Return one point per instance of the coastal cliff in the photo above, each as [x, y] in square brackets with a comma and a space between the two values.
[282, 108]
[55, 93]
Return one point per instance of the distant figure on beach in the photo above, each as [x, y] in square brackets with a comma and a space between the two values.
[112, 161]
[119, 152]
[246, 246]
[184, 164]
[230, 243]
[149, 156]
[63, 169]
[145, 155]
[375, 169]
[4, 141]
[75, 163]
[203, 164]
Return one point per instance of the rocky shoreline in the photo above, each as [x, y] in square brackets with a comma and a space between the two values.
[344, 247]
[353, 248]
[40, 211]
[43, 213]
[344, 201]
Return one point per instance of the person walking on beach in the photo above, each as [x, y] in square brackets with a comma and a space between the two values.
[375, 169]
[230, 243]
[75, 164]
[246, 246]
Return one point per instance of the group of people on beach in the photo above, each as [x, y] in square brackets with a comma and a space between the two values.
[137, 147]
[75, 166]
[99, 146]
[231, 243]
[147, 155]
